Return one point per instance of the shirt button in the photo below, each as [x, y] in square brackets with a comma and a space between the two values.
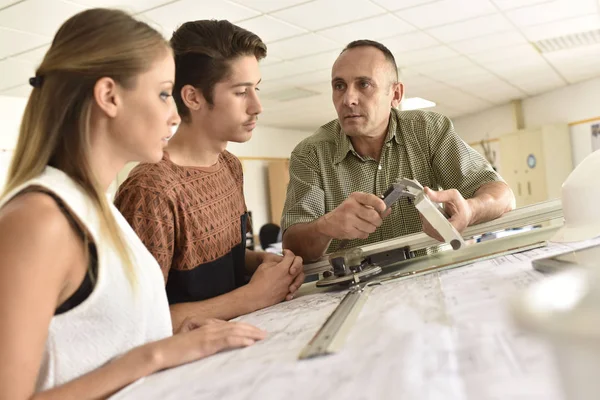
[379, 167]
[388, 144]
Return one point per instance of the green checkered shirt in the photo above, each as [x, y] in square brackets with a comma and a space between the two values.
[325, 169]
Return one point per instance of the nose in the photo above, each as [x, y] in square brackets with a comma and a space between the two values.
[350, 96]
[174, 118]
[254, 106]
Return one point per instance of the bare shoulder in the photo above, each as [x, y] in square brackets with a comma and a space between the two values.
[33, 226]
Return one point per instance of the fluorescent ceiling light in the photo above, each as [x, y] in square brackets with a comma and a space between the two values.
[415, 103]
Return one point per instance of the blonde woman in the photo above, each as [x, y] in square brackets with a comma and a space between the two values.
[83, 308]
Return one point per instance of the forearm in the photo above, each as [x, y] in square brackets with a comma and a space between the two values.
[491, 201]
[226, 306]
[113, 376]
[307, 240]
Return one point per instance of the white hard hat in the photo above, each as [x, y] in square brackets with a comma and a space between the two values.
[580, 195]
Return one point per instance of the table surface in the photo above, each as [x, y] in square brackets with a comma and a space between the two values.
[444, 335]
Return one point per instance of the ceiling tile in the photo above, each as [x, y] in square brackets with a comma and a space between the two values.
[374, 28]
[510, 4]
[322, 14]
[458, 99]
[472, 28]
[494, 90]
[271, 29]
[19, 91]
[507, 67]
[267, 6]
[513, 53]
[302, 46]
[423, 56]
[299, 66]
[489, 42]
[270, 60]
[454, 74]
[452, 63]
[562, 27]
[445, 12]
[41, 17]
[409, 41]
[132, 6]
[276, 71]
[6, 3]
[172, 15]
[577, 64]
[13, 42]
[34, 56]
[15, 73]
[395, 5]
[537, 81]
[552, 11]
[310, 78]
[415, 83]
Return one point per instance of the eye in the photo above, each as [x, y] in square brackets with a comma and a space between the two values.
[365, 84]
[165, 95]
[244, 93]
[339, 86]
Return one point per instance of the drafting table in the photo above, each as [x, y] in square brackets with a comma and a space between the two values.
[445, 334]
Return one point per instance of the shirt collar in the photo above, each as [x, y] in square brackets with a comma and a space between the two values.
[345, 145]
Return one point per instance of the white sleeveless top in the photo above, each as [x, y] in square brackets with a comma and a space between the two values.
[116, 316]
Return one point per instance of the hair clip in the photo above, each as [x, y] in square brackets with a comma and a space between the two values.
[36, 81]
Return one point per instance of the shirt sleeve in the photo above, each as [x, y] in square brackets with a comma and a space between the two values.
[456, 165]
[152, 217]
[305, 199]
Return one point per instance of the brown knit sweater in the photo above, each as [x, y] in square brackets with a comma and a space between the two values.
[193, 220]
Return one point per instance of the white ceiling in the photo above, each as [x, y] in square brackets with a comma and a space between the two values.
[466, 55]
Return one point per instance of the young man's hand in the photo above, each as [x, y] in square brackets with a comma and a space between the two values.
[277, 280]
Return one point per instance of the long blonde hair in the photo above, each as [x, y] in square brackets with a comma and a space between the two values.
[55, 129]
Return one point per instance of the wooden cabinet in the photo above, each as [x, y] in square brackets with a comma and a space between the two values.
[279, 177]
[535, 162]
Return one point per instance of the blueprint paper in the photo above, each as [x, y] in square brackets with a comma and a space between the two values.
[444, 335]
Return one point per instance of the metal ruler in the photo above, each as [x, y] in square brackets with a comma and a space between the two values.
[331, 336]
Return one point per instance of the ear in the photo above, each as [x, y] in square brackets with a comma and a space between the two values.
[106, 96]
[397, 94]
[192, 97]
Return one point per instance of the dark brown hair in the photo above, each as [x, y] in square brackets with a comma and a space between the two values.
[371, 43]
[55, 129]
[203, 52]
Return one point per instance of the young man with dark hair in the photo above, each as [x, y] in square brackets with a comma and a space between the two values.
[189, 208]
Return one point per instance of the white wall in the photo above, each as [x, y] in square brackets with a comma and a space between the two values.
[569, 104]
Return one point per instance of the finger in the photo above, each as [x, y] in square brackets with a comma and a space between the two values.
[297, 266]
[235, 342]
[244, 330]
[363, 227]
[298, 281]
[369, 215]
[441, 196]
[386, 213]
[288, 258]
[368, 199]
